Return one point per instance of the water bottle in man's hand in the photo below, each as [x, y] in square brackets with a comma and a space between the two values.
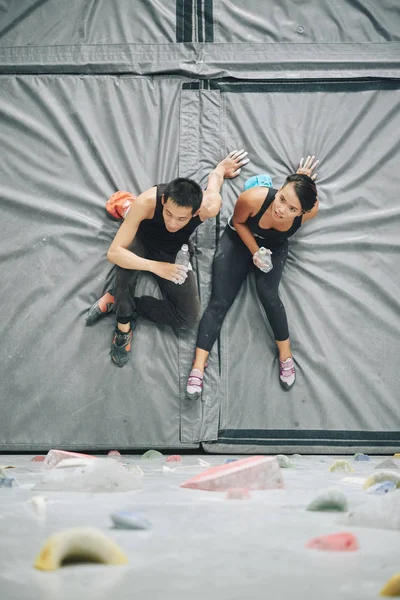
[183, 258]
[262, 259]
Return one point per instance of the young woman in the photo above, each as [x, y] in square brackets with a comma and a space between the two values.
[260, 219]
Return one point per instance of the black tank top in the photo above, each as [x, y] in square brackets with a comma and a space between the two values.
[155, 235]
[271, 236]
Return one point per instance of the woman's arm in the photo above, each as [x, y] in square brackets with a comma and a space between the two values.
[312, 213]
[307, 169]
[246, 206]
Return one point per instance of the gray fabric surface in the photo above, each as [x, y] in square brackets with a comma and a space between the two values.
[68, 144]
[340, 285]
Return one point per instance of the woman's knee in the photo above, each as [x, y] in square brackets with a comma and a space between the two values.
[268, 295]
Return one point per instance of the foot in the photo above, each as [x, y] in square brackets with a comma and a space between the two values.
[194, 386]
[119, 204]
[121, 347]
[287, 374]
[101, 307]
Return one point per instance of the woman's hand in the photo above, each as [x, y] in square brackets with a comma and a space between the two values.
[308, 167]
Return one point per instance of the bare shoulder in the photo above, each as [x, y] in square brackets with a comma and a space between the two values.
[253, 198]
[145, 203]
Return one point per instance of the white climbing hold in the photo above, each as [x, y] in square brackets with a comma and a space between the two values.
[53, 457]
[359, 481]
[134, 469]
[100, 475]
[388, 463]
[125, 519]
[70, 463]
[79, 544]
[38, 506]
[382, 512]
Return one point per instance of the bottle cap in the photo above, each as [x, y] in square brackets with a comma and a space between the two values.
[263, 250]
[185, 247]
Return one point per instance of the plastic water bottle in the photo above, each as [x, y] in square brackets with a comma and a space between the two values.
[183, 256]
[265, 255]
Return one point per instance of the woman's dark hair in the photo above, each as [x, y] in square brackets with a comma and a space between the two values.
[305, 189]
[184, 192]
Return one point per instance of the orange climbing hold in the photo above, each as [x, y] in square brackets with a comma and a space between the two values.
[337, 542]
[254, 473]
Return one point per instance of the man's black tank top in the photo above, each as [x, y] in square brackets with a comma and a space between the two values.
[155, 235]
[272, 237]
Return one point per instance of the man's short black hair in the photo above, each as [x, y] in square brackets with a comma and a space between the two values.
[184, 192]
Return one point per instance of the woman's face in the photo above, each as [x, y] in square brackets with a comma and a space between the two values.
[286, 205]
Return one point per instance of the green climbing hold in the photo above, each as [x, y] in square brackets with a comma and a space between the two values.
[152, 454]
[284, 461]
[329, 499]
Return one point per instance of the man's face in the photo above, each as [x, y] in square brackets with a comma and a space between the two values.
[175, 217]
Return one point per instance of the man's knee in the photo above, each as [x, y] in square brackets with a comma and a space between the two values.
[190, 318]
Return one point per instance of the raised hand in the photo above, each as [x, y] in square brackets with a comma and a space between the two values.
[308, 167]
[233, 162]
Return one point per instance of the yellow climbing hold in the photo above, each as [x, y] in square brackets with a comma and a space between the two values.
[392, 587]
[382, 476]
[79, 544]
[341, 465]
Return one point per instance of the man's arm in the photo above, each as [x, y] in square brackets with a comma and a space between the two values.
[228, 168]
[142, 208]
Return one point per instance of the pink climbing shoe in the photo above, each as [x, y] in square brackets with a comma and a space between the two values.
[287, 374]
[194, 386]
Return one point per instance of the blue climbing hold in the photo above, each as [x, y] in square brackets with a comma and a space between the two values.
[7, 482]
[383, 487]
[361, 456]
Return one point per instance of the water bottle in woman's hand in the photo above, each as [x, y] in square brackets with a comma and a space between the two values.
[262, 259]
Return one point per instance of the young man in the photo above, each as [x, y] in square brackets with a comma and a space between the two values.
[160, 220]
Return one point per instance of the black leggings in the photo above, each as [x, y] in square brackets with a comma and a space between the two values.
[231, 264]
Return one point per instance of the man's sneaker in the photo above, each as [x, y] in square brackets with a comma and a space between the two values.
[121, 347]
[287, 374]
[101, 307]
[118, 204]
[194, 385]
